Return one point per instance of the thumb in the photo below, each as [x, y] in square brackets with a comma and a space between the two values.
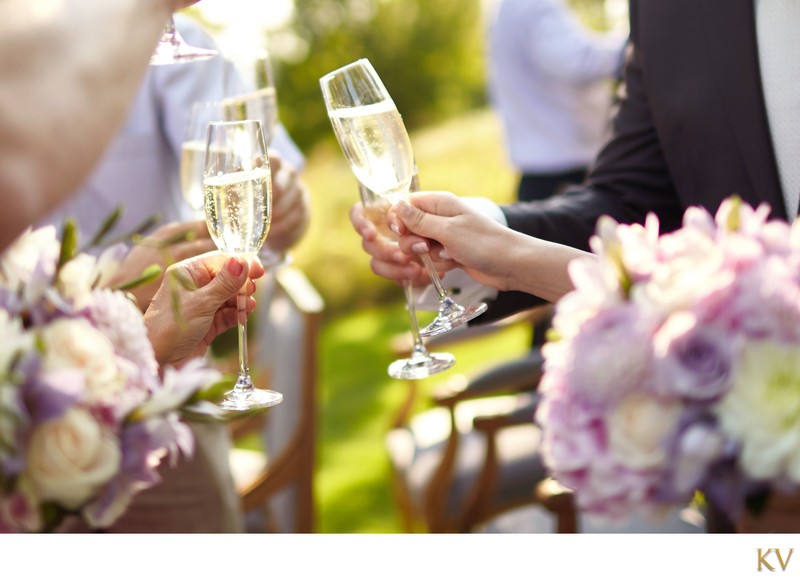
[227, 282]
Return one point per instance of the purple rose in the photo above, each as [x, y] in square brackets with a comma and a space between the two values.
[692, 360]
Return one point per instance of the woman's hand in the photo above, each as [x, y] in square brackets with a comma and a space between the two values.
[486, 250]
[454, 234]
[197, 301]
[387, 260]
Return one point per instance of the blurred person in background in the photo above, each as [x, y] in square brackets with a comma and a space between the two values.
[551, 81]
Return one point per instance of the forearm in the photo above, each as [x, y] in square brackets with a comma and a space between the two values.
[539, 267]
[69, 72]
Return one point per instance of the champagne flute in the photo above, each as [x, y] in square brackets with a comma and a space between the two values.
[193, 154]
[172, 48]
[238, 202]
[375, 142]
[421, 363]
[256, 99]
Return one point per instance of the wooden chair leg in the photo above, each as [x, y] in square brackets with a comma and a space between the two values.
[558, 500]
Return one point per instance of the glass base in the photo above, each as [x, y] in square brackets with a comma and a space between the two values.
[421, 365]
[454, 316]
[169, 53]
[252, 399]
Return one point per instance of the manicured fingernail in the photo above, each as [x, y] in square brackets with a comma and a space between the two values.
[420, 247]
[235, 266]
[395, 228]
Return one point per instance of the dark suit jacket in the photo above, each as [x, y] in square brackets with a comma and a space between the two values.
[691, 129]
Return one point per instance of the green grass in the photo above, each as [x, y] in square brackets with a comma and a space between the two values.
[357, 399]
[357, 402]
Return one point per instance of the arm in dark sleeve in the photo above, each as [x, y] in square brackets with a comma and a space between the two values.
[629, 178]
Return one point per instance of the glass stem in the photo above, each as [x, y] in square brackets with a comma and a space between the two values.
[244, 383]
[419, 347]
[441, 292]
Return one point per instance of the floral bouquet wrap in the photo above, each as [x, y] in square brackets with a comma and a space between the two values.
[85, 416]
[674, 365]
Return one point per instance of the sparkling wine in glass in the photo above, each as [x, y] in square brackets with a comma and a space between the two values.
[172, 48]
[255, 99]
[255, 96]
[193, 154]
[421, 363]
[375, 142]
[238, 202]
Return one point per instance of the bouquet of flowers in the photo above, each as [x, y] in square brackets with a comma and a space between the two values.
[674, 365]
[85, 416]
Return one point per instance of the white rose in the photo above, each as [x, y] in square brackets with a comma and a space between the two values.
[638, 428]
[19, 260]
[75, 279]
[74, 343]
[71, 457]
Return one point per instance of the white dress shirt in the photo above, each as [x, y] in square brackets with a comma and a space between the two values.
[550, 81]
[779, 59]
[140, 169]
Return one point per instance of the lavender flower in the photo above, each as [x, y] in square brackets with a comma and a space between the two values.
[85, 418]
[692, 360]
[610, 355]
[675, 367]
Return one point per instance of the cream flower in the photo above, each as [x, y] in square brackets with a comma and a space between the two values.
[762, 410]
[19, 261]
[638, 430]
[74, 343]
[691, 267]
[71, 457]
[76, 278]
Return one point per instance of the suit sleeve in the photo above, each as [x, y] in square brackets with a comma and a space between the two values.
[629, 178]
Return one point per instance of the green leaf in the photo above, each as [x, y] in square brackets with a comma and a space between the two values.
[106, 226]
[187, 236]
[734, 218]
[148, 275]
[52, 516]
[145, 226]
[184, 280]
[69, 242]
[175, 297]
[215, 392]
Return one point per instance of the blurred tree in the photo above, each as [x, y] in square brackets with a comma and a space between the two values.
[430, 55]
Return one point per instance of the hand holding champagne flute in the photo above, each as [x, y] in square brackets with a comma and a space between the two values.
[374, 139]
[238, 203]
[421, 363]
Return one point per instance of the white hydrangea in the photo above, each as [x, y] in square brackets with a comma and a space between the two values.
[762, 410]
